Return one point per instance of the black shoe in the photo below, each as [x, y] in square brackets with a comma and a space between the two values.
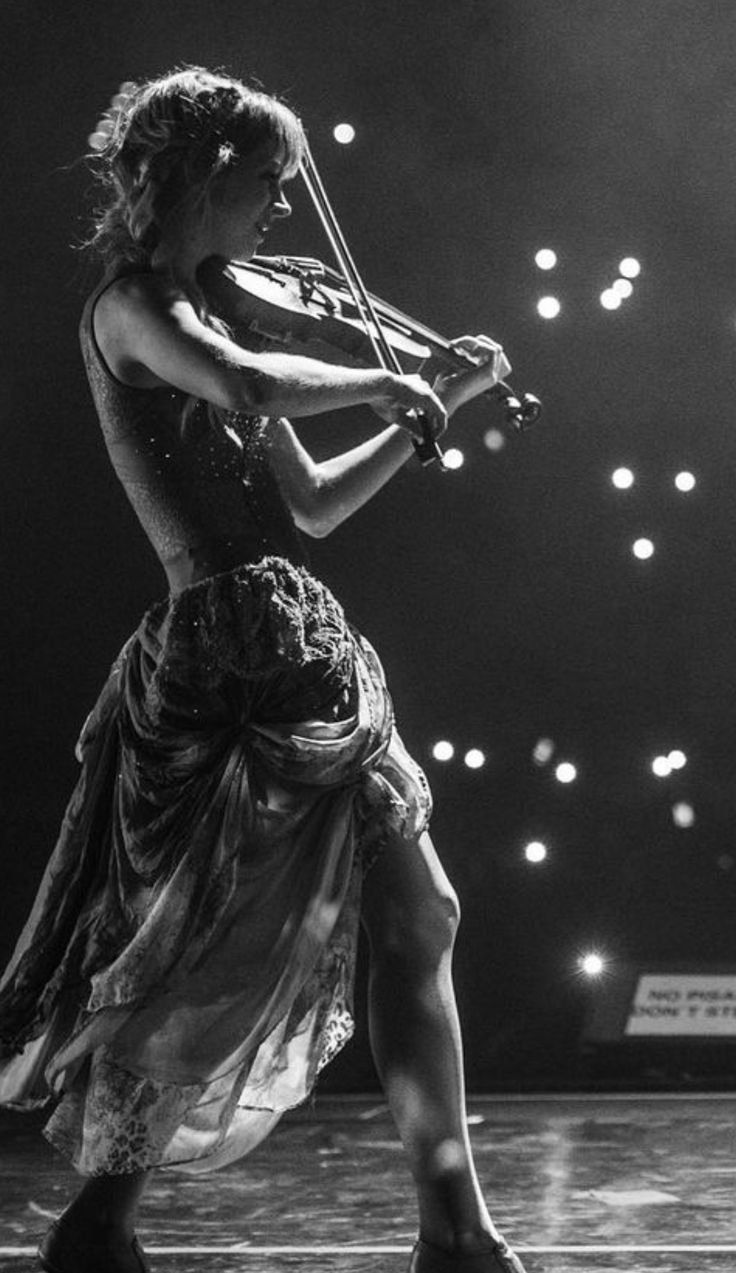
[59, 1253]
[426, 1258]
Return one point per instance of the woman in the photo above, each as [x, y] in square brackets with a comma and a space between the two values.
[244, 799]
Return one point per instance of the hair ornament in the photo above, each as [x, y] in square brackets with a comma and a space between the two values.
[106, 127]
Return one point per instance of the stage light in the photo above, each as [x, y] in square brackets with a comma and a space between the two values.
[622, 478]
[543, 752]
[610, 299]
[546, 259]
[344, 133]
[535, 851]
[629, 267]
[566, 772]
[475, 758]
[643, 549]
[443, 750]
[677, 759]
[685, 481]
[548, 307]
[494, 439]
[624, 288]
[683, 814]
[661, 767]
[591, 964]
[453, 458]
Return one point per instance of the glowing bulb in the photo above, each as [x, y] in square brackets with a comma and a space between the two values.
[643, 549]
[677, 759]
[661, 767]
[592, 964]
[453, 458]
[535, 851]
[543, 751]
[623, 287]
[443, 750]
[685, 481]
[548, 307]
[546, 259]
[622, 479]
[475, 758]
[494, 439]
[610, 299]
[683, 814]
[629, 267]
[344, 133]
[566, 772]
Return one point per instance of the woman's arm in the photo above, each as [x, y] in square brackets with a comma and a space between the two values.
[323, 495]
[150, 334]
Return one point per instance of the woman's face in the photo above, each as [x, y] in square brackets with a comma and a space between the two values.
[245, 203]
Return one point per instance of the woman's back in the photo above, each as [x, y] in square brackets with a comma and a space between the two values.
[199, 479]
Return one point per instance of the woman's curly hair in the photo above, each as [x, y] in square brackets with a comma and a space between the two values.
[167, 142]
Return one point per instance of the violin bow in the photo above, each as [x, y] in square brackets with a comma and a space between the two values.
[426, 448]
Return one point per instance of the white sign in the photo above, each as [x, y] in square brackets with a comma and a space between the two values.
[684, 1004]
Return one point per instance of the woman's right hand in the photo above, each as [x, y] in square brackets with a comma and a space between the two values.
[412, 403]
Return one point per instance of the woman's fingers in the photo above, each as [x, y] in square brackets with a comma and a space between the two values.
[484, 352]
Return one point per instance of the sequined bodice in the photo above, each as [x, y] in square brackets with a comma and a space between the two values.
[204, 492]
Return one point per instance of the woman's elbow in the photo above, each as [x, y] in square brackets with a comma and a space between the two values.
[315, 523]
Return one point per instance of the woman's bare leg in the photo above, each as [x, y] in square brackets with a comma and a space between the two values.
[410, 915]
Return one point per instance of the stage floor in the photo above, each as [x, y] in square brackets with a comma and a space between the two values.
[586, 1184]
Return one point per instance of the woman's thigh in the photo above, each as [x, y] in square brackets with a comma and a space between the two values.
[407, 896]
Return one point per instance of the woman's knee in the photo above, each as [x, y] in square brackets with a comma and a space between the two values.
[422, 933]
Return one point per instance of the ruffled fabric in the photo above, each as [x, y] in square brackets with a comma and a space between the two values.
[188, 965]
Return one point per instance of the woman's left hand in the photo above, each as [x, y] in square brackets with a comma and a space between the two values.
[454, 388]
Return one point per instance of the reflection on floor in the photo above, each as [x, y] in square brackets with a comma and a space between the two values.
[579, 1184]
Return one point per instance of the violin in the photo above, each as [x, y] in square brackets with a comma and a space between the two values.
[304, 306]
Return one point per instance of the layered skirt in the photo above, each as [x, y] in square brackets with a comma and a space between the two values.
[188, 965]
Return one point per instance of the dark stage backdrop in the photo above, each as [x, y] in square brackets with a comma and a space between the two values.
[504, 597]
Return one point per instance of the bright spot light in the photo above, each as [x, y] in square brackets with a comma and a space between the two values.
[661, 767]
[548, 307]
[474, 758]
[677, 759]
[683, 814]
[643, 548]
[629, 267]
[535, 851]
[344, 133]
[566, 772]
[592, 965]
[623, 287]
[685, 481]
[546, 259]
[453, 458]
[494, 439]
[622, 478]
[443, 750]
[543, 751]
[610, 299]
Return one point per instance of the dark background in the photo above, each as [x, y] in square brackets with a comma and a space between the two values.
[504, 598]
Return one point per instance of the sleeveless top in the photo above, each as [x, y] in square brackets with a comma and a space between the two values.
[204, 491]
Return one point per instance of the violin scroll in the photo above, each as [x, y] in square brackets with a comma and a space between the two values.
[519, 413]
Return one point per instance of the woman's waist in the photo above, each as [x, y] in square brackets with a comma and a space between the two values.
[195, 563]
